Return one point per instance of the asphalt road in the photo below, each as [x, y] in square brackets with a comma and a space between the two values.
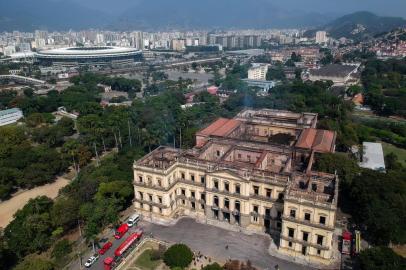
[211, 241]
[98, 265]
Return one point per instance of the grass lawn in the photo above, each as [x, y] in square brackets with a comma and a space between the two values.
[144, 261]
[399, 152]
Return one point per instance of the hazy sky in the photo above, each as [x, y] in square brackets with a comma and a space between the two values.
[381, 7]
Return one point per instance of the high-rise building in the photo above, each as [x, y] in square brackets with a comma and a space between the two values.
[138, 40]
[178, 44]
[321, 37]
[99, 39]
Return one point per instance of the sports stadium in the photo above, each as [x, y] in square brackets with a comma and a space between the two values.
[88, 56]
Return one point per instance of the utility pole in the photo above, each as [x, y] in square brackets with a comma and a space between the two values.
[180, 139]
[97, 155]
[119, 138]
[129, 133]
[115, 138]
[104, 145]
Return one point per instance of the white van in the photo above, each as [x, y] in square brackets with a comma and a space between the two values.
[133, 220]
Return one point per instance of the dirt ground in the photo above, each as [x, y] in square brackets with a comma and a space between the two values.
[9, 207]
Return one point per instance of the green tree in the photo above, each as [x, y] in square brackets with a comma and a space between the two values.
[30, 231]
[178, 255]
[34, 263]
[381, 258]
[213, 266]
[61, 249]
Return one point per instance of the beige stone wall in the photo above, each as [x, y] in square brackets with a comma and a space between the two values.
[181, 188]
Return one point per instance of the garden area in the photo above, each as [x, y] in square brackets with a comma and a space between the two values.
[153, 255]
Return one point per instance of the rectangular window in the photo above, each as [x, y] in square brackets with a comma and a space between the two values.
[256, 190]
[318, 252]
[322, 220]
[291, 232]
[237, 189]
[183, 192]
[305, 236]
[192, 194]
[202, 179]
[255, 208]
[290, 244]
[304, 249]
[140, 179]
[203, 197]
[307, 216]
[182, 175]
[193, 205]
[267, 212]
[239, 156]
[202, 206]
[218, 153]
[192, 177]
[268, 193]
[292, 213]
[150, 197]
[216, 184]
[160, 200]
[226, 187]
[320, 240]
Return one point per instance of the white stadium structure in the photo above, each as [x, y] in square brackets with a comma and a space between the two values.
[89, 56]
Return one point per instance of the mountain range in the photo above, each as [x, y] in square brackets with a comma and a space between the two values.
[28, 15]
[360, 25]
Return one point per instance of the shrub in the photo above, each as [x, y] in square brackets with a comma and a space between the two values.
[213, 266]
[178, 255]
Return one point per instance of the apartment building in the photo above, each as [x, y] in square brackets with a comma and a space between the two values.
[258, 71]
[10, 116]
[254, 171]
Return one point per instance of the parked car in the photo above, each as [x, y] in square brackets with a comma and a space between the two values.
[133, 220]
[91, 260]
[105, 247]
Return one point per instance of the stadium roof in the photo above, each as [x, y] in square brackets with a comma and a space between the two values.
[88, 51]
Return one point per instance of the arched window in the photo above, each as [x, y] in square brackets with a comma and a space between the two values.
[226, 203]
[237, 205]
[216, 201]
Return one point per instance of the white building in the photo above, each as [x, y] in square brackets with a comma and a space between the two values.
[258, 72]
[99, 39]
[321, 37]
[9, 50]
[10, 116]
[372, 156]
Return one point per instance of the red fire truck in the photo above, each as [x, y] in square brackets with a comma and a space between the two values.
[127, 244]
[121, 231]
[346, 245]
[108, 263]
